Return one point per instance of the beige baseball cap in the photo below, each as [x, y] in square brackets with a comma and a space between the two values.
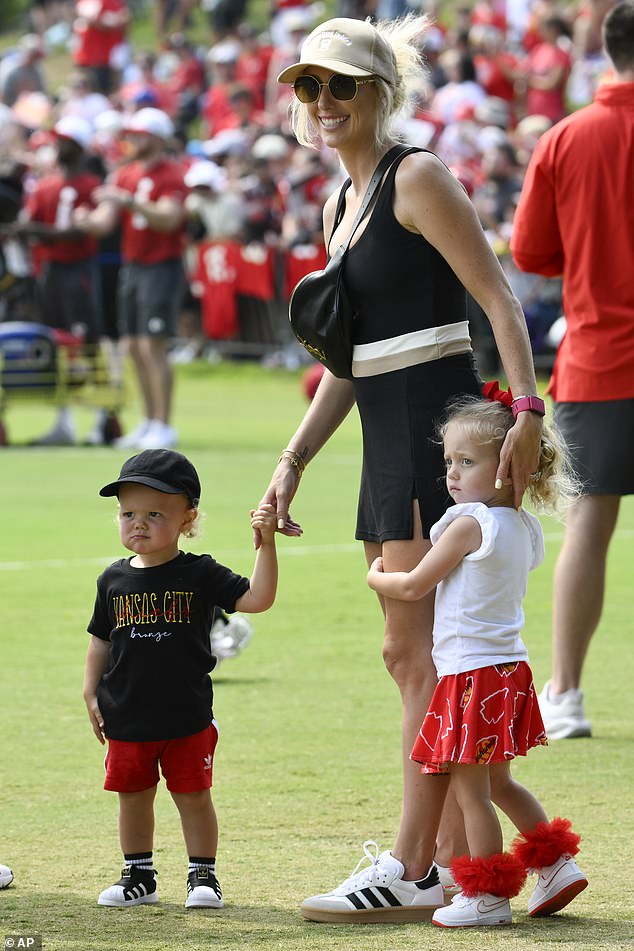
[351, 47]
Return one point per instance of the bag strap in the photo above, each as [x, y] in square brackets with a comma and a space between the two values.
[398, 151]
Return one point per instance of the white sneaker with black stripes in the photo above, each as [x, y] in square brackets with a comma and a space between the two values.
[377, 893]
[135, 887]
[203, 890]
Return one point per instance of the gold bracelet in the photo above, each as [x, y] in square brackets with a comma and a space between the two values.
[295, 459]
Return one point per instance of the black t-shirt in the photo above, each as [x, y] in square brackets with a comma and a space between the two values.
[157, 684]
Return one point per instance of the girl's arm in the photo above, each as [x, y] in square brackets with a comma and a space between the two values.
[430, 201]
[263, 582]
[96, 664]
[460, 538]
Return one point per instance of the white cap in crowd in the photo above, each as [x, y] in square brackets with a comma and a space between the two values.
[152, 121]
[270, 146]
[76, 129]
[205, 174]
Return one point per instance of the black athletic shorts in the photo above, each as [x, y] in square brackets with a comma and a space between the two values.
[600, 437]
[149, 297]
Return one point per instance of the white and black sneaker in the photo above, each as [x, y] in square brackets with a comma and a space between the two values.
[377, 893]
[135, 887]
[203, 890]
[229, 635]
[6, 876]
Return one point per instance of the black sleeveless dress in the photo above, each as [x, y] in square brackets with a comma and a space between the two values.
[412, 353]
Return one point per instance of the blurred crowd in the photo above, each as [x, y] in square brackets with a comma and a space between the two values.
[500, 74]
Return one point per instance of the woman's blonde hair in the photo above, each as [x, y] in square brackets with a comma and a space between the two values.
[401, 34]
[554, 486]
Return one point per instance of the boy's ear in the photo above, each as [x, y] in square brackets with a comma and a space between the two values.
[190, 516]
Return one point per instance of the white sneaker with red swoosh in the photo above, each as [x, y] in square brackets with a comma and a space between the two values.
[556, 886]
[480, 910]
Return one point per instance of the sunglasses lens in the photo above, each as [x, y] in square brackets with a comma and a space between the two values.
[306, 88]
[343, 87]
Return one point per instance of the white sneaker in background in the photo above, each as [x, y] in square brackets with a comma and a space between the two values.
[563, 714]
[60, 435]
[131, 440]
[186, 353]
[229, 636]
[158, 436]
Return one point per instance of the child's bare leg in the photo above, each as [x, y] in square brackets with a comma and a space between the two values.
[137, 885]
[472, 787]
[515, 800]
[199, 822]
[136, 821]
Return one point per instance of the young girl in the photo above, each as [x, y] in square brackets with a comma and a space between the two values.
[147, 685]
[484, 711]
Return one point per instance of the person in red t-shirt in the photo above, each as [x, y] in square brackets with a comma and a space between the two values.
[574, 219]
[99, 28]
[497, 70]
[187, 81]
[147, 197]
[548, 67]
[253, 62]
[216, 110]
[67, 278]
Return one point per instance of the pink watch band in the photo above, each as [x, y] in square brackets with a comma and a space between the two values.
[525, 404]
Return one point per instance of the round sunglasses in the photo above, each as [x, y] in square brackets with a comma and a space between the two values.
[344, 88]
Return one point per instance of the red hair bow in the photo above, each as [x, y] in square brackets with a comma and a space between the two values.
[494, 394]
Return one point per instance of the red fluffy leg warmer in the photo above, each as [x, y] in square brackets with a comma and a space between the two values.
[501, 874]
[546, 843]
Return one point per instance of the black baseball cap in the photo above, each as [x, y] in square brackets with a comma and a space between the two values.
[161, 469]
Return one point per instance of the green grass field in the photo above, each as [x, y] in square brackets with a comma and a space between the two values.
[308, 765]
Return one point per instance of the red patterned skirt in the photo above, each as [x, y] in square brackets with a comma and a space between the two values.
[483, 716]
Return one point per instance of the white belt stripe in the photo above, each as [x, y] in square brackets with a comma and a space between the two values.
[407, 350]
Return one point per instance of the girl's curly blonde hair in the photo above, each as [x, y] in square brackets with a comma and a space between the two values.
[554, 486]
[403, 35]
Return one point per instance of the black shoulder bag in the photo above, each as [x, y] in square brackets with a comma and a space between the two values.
[320, 311]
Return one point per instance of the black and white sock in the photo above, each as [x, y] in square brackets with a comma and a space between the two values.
[141, 860]
[197, 861]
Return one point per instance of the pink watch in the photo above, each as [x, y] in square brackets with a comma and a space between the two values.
[533, 404]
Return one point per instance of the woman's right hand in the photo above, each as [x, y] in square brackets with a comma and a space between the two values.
[331, 404]
[280, 493]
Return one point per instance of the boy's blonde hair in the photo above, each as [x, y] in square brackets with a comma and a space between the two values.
[401, 34]
[195, 529]
[555, 486]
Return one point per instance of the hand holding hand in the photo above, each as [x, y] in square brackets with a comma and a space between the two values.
[279, 495]
[264, 521]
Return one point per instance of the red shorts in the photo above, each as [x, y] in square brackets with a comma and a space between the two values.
[483, 716]
[186, 763]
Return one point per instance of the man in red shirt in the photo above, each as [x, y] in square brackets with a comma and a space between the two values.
[100, 28]
[574, 218]
[547, 70]
[147, 197]
[67, 278]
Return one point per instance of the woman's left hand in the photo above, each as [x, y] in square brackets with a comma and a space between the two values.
[519, 456]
